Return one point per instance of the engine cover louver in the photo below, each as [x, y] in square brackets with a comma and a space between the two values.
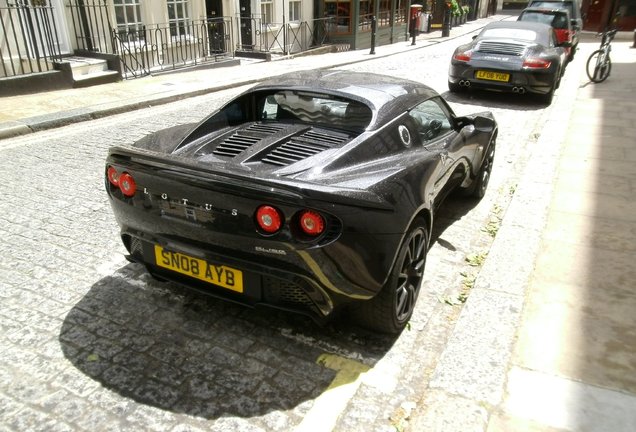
[303, 146]
[241, 141]
[501, 48]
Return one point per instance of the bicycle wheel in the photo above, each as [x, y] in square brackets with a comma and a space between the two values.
[597, 70]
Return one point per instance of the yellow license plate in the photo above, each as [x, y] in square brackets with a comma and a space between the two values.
[492, 76]
[221, 275]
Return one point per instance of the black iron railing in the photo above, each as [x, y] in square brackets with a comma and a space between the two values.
[91, 25]
[164, 47]
[28, 37]
[283, 38]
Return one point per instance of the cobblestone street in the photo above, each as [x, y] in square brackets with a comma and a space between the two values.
[91, 342]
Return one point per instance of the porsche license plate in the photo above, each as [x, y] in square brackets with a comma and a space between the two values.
[492, 76]
[216, 274]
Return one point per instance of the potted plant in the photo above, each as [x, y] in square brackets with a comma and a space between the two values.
[465, 12]
[455, 12]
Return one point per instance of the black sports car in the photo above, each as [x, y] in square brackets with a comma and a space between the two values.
[511, 56]
[307, 193]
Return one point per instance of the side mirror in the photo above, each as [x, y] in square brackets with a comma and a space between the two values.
[484, 124]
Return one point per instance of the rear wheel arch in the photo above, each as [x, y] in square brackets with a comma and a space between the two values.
[391, 309]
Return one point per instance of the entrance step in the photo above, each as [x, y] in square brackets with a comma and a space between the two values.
[88, 71]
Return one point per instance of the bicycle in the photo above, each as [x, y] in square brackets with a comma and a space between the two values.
[599, 63]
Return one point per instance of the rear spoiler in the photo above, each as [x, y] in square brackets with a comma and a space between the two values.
[200, 173]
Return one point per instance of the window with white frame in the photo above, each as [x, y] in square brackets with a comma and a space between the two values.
[178, 17]
[267, 12]
[128, 18]
[294, 10]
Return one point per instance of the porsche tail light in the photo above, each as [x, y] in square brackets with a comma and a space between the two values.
[463, 56]
[536, 63]
[127, 184]
[311, 223]
[113, 176]
[269, 219]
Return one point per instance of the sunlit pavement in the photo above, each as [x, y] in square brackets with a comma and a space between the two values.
[562, 269]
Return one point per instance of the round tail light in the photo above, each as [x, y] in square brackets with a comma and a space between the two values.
[113, 176]
[311, 223]
[268, 219]
[127, 184]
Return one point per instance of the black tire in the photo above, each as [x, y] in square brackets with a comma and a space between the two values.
[596, 72]
[455, 88]
[478, 187]
[547, 97]
[390, 310]
[572, 52]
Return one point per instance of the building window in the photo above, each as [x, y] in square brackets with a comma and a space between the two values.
[294, 10]
[267, 12]
[128, 18]
[400, 16]
[340, 14]
[384, 16]
[178, 17]
[366, 14]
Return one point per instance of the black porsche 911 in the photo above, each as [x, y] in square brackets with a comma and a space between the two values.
[510, 56]
[313, 192]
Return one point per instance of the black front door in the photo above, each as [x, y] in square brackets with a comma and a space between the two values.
[246, 24]
[216, 25]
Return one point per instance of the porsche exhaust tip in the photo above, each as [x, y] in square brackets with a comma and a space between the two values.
[464, 83]
[519, 90]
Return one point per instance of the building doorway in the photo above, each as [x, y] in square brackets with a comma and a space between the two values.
[215, 25]
[246, 23]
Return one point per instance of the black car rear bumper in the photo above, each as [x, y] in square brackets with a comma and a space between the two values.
[261, 284]
[529, 81]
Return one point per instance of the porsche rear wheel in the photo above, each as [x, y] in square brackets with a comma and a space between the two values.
[392, 308]
[479, 185]
[455, 88]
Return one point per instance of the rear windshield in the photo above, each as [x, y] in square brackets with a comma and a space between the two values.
[569, 6]
[316, 109]
[558, 21]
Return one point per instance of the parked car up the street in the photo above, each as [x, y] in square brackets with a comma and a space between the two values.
[510, 56]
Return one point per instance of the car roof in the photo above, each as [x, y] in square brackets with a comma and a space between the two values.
[387, 96]
[543, 31]
[538, 27]
[523, 25]
[573, 6]
[546, 10]
[553, 1]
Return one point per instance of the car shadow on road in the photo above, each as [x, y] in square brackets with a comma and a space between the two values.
[165, 346]
[454, 207]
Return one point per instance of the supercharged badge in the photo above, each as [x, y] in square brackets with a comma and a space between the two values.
[270, 250]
